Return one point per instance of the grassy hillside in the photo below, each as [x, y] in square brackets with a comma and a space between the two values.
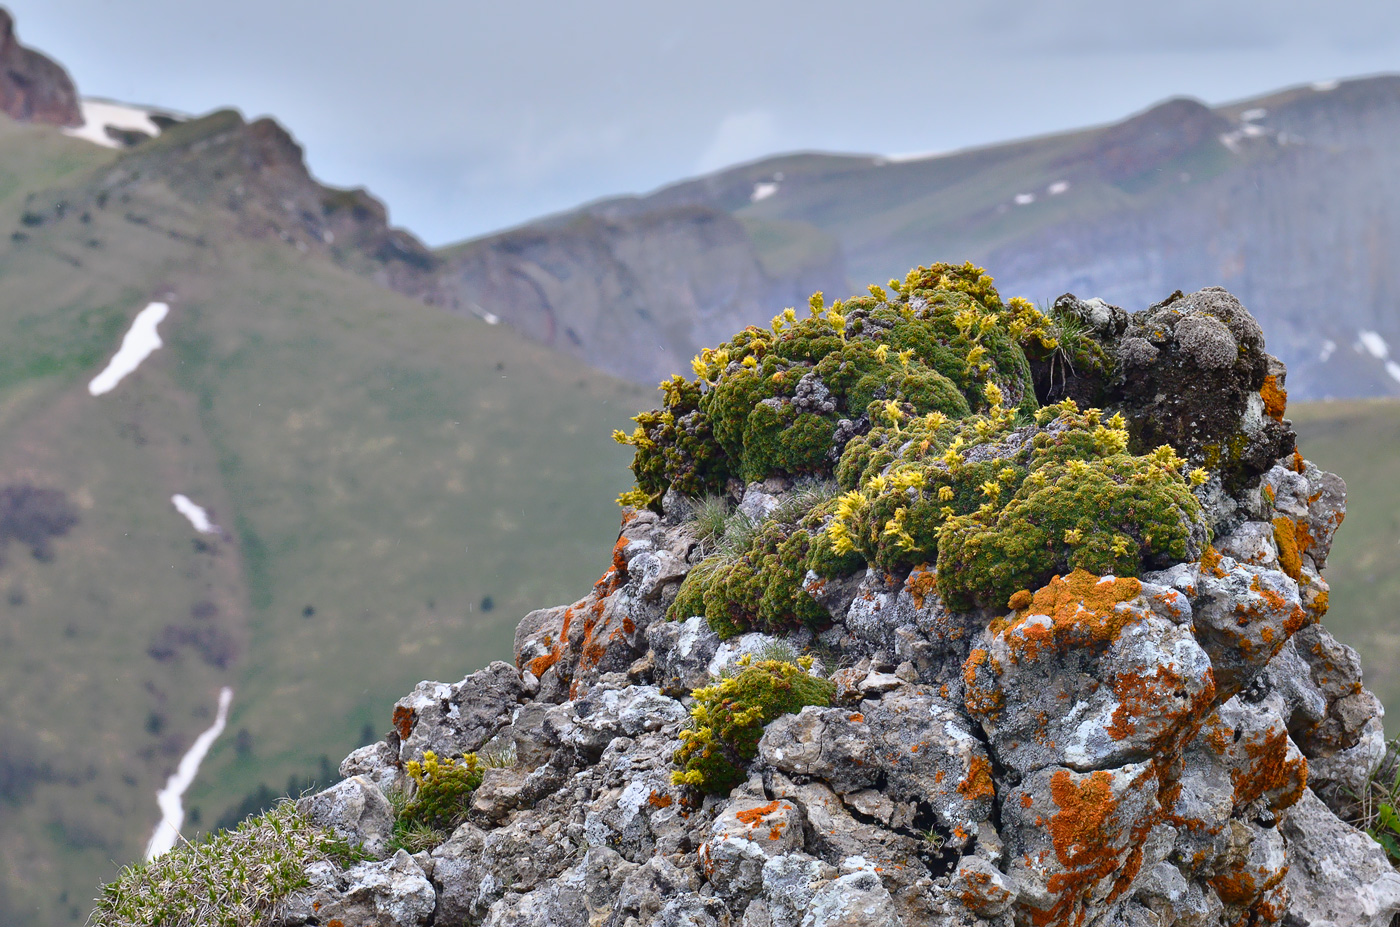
[1360, 440]
[398, 487]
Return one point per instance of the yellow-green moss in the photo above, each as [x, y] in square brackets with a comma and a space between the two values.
[729, 716]
[933, 345]
[1001, 509]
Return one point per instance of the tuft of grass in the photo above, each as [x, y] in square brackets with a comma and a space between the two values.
[499, 759]
[803, 500]
[709, 517]
[232, 878]
[412, 836]
[739, 532]
[1376, 810]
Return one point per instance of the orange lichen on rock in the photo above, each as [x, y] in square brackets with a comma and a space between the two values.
[1082, 833]
[541, 664]
[1286, 536]
[1275, 398]
[403, 721]
[980, 700]
[1082, 609]
[922, 583]
[754, 816]
[1270, 769]
[1210, 562]
[1142, 695]
[1235, 887]
[978, 781]
[1097, 837]
[658, 800]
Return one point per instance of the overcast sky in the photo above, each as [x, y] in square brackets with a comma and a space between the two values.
[466, 117]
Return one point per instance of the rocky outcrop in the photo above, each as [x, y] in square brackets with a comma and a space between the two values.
[256, 174]
[34, 88]
[1177, 747]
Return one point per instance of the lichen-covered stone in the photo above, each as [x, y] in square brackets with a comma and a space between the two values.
[451, 720]
[1032, 668]
[1337, 876]
[391, 893]
[1087, 676]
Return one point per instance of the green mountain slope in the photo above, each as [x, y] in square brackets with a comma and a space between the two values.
[397, 486]
[1359, 440]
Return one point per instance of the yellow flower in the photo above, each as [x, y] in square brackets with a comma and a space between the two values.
[991, 391]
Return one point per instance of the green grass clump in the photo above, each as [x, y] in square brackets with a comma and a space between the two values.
[754, 580]
[729, 716]
[232, 878]
[767, 402]
[1000, 508]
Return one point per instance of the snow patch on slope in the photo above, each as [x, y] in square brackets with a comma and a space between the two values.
[195, 513]
[138, 344]
[762, 190]
[171, 798]
[1373, 344]
[98, 115]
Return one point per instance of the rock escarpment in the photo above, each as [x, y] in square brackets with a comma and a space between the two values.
[635, 294]
[1132, 715]
[34, 88]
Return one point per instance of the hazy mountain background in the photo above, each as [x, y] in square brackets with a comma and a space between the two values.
[407, 447]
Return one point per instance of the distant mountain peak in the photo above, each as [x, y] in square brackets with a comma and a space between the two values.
[1156, 137]
[34, 88]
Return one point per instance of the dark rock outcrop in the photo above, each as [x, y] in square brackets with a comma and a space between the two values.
[34, 88]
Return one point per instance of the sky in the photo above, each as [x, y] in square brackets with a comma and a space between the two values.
[468, 117]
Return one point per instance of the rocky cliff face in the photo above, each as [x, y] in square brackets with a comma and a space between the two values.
[636, 295]
[32, 87]
[1124, 712]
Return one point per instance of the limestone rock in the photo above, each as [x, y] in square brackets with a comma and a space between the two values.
[391, 893]
[1088, 677]
[1075, 839]
[1337, 876]
[356, 810]
[451, 720]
